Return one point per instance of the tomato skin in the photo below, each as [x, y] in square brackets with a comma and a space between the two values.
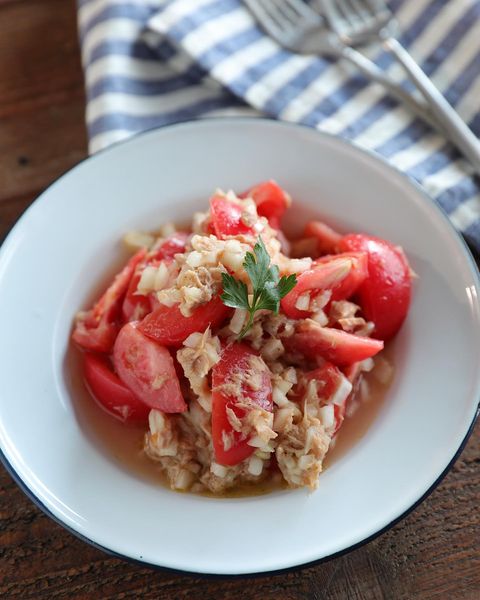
[235, 359]
[173, 244]
[341, 274]
[326, 237]
[147, 369]
[97, 328]
[271, 201]
[227, 218]
[385, 295]
[167, 326]
[110, 393]
[333, 345]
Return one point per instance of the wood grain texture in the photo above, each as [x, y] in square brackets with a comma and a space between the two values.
[434, 553]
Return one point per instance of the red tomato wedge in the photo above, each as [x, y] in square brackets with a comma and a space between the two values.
[333, 386]
[342, 273]
[326, 237]
[167, 326]
[174, 244]
[241, 373]
[336, 346]
[385, 295]
[271, 201]
[147, 369]
[110, 393]
[227, 218]
[97, 328]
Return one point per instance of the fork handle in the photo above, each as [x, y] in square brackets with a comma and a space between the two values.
[373, 72]
[456, 129]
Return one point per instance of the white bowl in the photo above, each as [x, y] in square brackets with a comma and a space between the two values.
[65, 243]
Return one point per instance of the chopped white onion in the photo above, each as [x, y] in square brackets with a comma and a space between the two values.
[367, 365]
[183, 480]
[156, 421]
[303, 301]
[218, 470]
[272, 349]
[290, 375]
[327, 416]
[279, 398]
[161, 277]
[147, 280]
[342, 391]
[238, 320]
[194, 259]
[320, 317]
[255, 466]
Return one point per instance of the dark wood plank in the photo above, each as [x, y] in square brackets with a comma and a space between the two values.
[42, 132]
[433, 554]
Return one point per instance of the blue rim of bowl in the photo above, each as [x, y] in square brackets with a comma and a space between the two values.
[475, 271]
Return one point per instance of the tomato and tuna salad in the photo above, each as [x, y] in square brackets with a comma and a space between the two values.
[240, 351]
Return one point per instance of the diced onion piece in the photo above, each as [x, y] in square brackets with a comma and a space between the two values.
[290, 375]
[169, 297]
[278, 397]
[283, 385]
[272, 349]
[218, 470]
[156, 421]
[194, 259]
[238, 320]
[321, 300]
[263, 455]
[183, 480]
[320, 317]
[255, 466]
[233, 255]
[147, 280]
[283, 418]
[303, 301]
[161, 277]
[367, 365]
[327, 416]
[298, 265]
[305, 462]
[342, 392]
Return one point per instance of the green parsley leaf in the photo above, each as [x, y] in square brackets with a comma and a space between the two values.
[267, 285]
[235, 293]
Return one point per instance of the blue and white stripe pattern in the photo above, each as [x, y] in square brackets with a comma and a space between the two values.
[153, 62]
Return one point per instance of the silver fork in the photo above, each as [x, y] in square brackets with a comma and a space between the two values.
[356, 22]
[298, 27]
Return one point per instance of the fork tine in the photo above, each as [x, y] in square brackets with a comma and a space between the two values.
[334, 16]
[263, 15]
[285, 9]
[304, 10]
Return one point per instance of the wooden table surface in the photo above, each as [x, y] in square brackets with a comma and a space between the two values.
[432, 553]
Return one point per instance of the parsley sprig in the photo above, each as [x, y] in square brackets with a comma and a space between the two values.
[268, 287]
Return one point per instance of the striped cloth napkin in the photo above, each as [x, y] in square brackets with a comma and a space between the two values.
[153, 62]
